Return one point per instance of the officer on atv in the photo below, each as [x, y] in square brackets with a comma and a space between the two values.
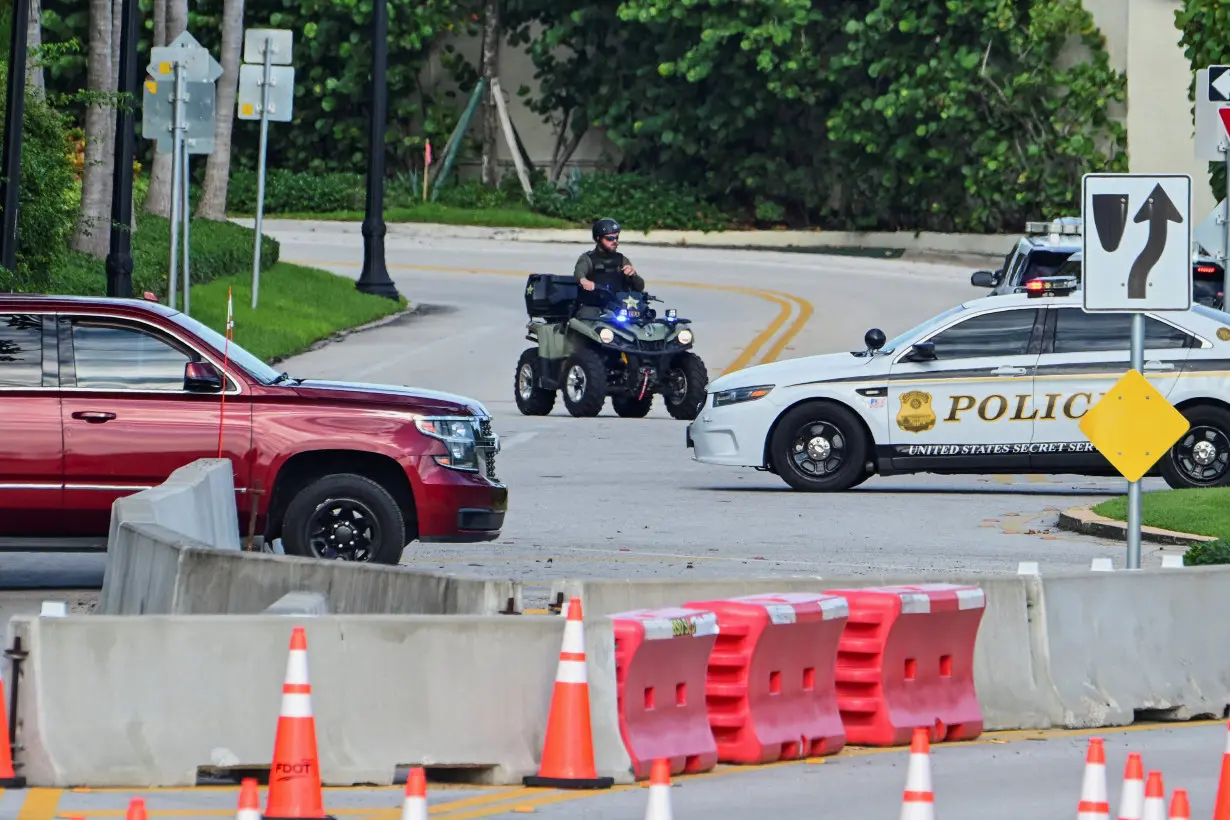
[605, 265]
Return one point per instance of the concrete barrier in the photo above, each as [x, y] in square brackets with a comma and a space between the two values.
[142, 702]
[174, 550]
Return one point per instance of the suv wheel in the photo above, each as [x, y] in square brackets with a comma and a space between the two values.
[584, 383]
[345, 517]
[686, 381]
[1201, 457]
[532, 400]
[819, 447]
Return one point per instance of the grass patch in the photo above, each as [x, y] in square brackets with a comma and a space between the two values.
[298, 307]
[1199, 512]
[432, 212]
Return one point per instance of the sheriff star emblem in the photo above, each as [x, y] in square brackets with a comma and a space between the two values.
[630, 302]
[529, 290]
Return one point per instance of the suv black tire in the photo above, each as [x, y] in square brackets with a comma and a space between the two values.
[844, 433]
[630, 407]
[593, 369]
[696, 380]
[539, 400]
[357, 492]
[1212, 424]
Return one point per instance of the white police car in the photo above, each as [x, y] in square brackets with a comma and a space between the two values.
[994, 385]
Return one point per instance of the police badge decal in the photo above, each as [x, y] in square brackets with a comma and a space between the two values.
[915, 415]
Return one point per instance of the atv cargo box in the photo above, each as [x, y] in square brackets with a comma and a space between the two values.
[548, 296]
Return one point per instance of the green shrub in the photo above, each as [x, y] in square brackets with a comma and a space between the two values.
[1208, 552]
[217, 249]
[46, 207]
[639, 202]
[289, 192]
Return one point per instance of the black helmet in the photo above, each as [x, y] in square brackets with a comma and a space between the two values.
[605, 227]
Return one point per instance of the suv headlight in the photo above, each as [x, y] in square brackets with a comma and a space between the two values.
[459, 436]
[741, 394]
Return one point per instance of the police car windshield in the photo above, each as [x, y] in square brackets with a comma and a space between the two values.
[918, 330]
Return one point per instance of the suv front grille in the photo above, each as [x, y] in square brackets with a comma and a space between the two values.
[486, 447]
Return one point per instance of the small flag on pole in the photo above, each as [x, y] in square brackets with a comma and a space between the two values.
[226, 360]
[230, 314]
[428, 152]
[426, 167]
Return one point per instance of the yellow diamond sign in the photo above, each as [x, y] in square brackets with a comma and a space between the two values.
[1133, 425]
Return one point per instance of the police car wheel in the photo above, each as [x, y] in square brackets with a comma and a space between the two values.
[1201, 457]
[819, 447]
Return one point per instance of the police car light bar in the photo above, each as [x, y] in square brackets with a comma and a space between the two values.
[1051, 285]
[1056, 228]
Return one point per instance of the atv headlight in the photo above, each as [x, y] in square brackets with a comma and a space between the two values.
[741, 394]
[685, 337]
[606, 335]
[459, 438]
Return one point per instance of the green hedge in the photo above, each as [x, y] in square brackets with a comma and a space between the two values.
[1207, 552]
[639, 202]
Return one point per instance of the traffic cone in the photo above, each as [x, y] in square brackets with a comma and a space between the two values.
[294, 778]
[918, 801]
[1093, 804]
[1179, 809]
[8, 777]
[659, 807]
[249, 800]
[414, 807]
[1155, 798]
[1132, 797]
[568, 752]
[1221, 810]
[136, 809]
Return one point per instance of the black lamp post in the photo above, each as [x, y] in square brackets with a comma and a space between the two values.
[374, 278]
[14, 116]
[119, 259]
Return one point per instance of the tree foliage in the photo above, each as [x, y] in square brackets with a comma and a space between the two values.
[1199, 22]
[862, 114]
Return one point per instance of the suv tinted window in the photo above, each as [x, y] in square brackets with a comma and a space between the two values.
[118, 357]
[1002, 333]
[1079, 332]
[21, 350]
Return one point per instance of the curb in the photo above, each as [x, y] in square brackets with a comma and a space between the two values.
[410, 308]
[1085, 521]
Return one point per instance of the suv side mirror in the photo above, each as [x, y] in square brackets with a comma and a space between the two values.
[874, 339]
[983, 279]
[921, 352]
[202, 377]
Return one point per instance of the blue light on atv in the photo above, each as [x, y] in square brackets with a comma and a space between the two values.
[623, 316]
[671, 314]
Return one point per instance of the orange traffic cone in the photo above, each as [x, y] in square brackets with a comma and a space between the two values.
[414, 807]
[659, 807]
[294, 779]
[1179, 809]
[1132, 797]
[8, 777]
[1093, 804]
[1221, 810]
[136, 809]
[249, 800]
[918, 801]
[1155, 797]
[568, 753]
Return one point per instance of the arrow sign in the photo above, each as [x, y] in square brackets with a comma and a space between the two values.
[1159, 212]
[1219, 82]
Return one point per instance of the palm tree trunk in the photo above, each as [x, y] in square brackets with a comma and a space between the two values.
[489, 69]
[92, 235]
[34, 41]
[218, 166]
[174, 21]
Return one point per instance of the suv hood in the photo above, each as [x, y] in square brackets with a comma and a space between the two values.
[420, 400]
[795, 371]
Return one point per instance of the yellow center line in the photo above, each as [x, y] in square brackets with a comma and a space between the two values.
[805, 313]
[40, 804]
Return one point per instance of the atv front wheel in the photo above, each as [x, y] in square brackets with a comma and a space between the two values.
[584, 384]
[629, 407]
[532, 400]
[686, 383]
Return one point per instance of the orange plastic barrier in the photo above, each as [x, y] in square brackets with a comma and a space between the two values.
[661, 657]
[770, 691]
[906, 660]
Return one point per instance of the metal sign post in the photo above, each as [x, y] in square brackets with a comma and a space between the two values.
[1137, 258]
[266, 93]
[178, 113]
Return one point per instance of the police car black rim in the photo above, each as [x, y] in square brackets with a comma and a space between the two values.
[818, 449]
[345, 529]
[1203, 455]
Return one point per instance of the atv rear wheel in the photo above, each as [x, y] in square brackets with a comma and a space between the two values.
[686, 383]
[584, 383]
[630, 407]
[532, 400]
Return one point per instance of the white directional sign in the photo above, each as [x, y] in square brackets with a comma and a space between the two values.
[1212, 94]
[1211, 233]
[1137, 242]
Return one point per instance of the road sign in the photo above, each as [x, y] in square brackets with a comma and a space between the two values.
[1212, 94]
[1137, 242]
[197, 62]
[281, 92]
[1133, 425]
[1211, 233]
[280, 43]
[158, 115]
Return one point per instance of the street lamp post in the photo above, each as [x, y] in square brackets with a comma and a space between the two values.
[119, 259]
[374, 278]
[14, 117]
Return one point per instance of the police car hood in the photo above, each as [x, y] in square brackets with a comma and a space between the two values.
[795, 371]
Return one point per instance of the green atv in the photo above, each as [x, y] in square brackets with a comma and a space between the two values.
[599, 343]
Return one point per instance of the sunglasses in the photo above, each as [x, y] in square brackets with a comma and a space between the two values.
[611, 237]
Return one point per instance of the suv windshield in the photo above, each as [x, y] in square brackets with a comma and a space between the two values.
[918, 330]
[255, 368]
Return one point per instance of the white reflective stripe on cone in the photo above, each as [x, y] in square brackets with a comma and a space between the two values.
[571, 672]
[918, 778]
[414, 808]
[296, 705]
[248, 814]
[574, 637]
[659, 807]
[297, 667]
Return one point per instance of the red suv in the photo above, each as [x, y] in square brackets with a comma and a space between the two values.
[105, 397]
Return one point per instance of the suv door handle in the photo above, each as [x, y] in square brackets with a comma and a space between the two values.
[94, 416]
[1159, 366]
[1006, 370]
